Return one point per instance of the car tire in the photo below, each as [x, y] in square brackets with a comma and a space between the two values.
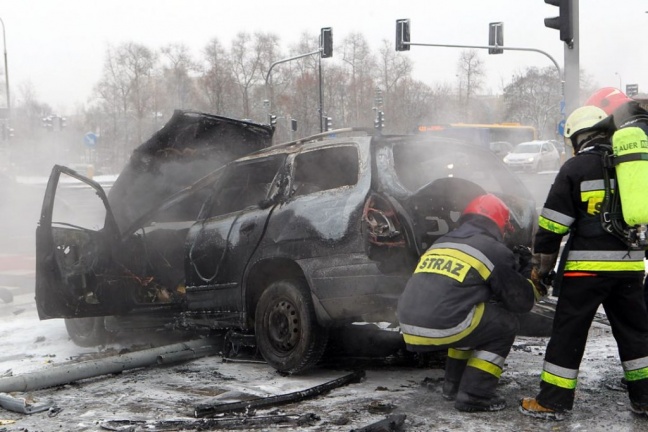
[87, 332]
[287, 333]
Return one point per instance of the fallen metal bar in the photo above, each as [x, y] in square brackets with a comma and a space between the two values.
[21, 405]
[210, 424]
[206, 410]
[391, 423]
[58, 375]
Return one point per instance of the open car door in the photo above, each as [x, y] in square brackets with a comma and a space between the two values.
[75, 237]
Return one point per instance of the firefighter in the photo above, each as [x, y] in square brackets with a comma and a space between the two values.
[599, 268]
[464, 296]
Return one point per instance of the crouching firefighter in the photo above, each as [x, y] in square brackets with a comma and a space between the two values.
[464, 296]
[600, 268]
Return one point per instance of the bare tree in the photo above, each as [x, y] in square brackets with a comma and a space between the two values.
[246, 67]
[471, 74]
[177, 67]
[361, 64]
[125, 88]
[217, 83]
[533, 98]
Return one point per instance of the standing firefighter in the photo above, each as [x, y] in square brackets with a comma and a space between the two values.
[600, 268]
[463, 296]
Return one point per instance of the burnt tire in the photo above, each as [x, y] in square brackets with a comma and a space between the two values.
[87, 332]
[287, 333]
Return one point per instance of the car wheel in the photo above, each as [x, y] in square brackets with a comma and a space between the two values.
[287, 333]
[87, 332]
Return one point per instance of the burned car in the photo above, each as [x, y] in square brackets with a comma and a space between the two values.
[285, 243]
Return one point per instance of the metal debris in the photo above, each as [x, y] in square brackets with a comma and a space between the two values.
[391, 423]
[21, 405]
[209, 410]
[230, 423]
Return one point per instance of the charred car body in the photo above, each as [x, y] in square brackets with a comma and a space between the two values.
[286, 242]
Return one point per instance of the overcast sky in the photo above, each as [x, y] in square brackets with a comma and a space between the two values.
[58, 46]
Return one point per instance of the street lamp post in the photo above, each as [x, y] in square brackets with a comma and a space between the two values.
[4, 40]
[620, 83]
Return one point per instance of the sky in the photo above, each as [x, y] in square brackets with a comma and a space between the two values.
[58, 47]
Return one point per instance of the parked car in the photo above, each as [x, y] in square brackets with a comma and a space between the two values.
[533, 156]
[501, 148]
[285, 243]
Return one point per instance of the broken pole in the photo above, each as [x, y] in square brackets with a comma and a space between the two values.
[58, 375]
[206, 410]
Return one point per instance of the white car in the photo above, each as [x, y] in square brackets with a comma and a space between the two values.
[533, 156]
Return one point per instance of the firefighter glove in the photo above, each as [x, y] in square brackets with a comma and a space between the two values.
[543, 265]
[523, 257]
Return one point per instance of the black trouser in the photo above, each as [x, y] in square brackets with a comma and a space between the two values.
[485, 349]
[580, 297]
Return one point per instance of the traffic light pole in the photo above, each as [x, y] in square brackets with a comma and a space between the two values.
[491, 47]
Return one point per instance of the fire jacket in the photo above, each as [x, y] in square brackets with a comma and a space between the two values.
[573, 205]
[444, 299]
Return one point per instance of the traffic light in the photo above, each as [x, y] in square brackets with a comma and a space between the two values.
[495, 37]
[402, 35]
[328, 124]
[564, 21]
[326, 42]
[272, 119]
[379, 123]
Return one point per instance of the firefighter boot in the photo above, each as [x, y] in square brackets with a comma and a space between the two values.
[531, 407]
[449, 391]
[639, 409]
[468, 403]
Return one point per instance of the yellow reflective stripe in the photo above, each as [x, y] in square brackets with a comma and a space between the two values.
[552, 379]
[536, 294]
[478, 265]
[605, 266]
[422, 340]
[458, 354]
[485, 366]
[636, 375]
[552, 226]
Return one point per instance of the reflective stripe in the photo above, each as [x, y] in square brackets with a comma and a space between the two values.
[593, 266]
[552, 379]
[536, 294]
[552, 226]
[605, 261]
[636, 375]
[584, 255]
[593, 185]
[485, 366]
[473, 256]
[459, 353]
[415, 335]
[560, 371]
[636, 369]
[491, 357]
[635, 364]
[557, 217]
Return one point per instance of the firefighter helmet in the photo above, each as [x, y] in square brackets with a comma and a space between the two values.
[493, 208]
[608, 99]
[582, 119]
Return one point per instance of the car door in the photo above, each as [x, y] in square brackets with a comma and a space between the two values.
[221, 243]
[74, 239]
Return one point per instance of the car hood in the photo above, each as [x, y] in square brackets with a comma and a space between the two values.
[189, 146]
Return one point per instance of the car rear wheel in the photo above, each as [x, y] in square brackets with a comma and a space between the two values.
[287, 333]
[87, 332]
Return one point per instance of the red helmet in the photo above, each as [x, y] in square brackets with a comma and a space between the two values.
[493, 208]
[608, 99]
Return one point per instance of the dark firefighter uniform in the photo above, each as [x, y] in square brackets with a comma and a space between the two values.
[463, 296]
[599, 269]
